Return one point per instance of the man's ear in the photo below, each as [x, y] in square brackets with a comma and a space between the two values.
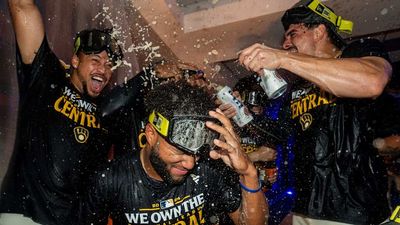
[75, 61]
[320, 32]
[151, 134]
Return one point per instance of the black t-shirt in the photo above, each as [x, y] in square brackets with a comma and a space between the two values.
[339, 175]
[128, 195]
[388, 108]
[59, 141]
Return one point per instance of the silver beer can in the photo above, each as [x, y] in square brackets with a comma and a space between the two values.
[272, 83]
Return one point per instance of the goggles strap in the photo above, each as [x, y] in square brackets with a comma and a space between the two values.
[77, 44]
[323, 11]
[159, 122]
[345, 26]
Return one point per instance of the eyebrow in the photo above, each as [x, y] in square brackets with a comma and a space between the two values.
[95, 55]
[290, 32]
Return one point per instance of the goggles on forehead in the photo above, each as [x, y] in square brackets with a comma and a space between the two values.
[186, 132]
[341, 24]
[96, 41]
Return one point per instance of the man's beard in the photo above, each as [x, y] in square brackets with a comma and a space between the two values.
[161, 168]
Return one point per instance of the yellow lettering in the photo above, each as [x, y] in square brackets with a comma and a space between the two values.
[57, 104]
[201, 218]
[295, 109]
[304, 106]
[322, 100]
[83, 116]
[74, 114]
[312, 104]
[299, 109]
[67, 108]
[193, 220]
[180, 223]
[91, 121]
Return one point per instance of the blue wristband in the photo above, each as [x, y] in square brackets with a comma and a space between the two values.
[251, 190]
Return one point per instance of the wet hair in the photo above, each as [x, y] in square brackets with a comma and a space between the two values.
[179, 98]
[301, 14]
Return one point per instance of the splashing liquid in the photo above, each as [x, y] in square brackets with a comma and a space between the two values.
[118, 34]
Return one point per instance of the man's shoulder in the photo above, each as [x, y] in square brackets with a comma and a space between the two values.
[123, 163]
[365, 47]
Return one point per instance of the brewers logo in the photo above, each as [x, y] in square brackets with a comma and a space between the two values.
[81, 134]
[306, 120]
[304, 101]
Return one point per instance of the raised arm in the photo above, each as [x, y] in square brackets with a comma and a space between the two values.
[28, 27]
[253, 208]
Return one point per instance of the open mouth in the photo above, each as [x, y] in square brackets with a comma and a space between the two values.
[98, 82]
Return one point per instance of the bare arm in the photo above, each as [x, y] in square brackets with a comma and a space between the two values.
[348, 77]
[28, 27]
[253, 208]
[363, 77]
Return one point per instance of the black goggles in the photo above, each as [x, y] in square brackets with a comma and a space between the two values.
[96, 41]
[186, 132]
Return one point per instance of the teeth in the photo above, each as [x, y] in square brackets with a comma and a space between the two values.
[98, 78]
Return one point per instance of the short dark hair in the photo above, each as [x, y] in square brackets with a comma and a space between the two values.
[301, 14]
[179, 98]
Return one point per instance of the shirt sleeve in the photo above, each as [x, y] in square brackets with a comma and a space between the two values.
[365, 47]
[38, 74]
[129, 95]
[388, 121]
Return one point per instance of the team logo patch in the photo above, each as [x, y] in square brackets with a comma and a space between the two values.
[167, 203]
[306, 121]
[81, 134]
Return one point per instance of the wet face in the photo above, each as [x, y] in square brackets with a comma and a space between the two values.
[170, 163]
[299, 38]
[92, 72]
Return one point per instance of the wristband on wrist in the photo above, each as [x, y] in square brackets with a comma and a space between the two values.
[249, 189]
